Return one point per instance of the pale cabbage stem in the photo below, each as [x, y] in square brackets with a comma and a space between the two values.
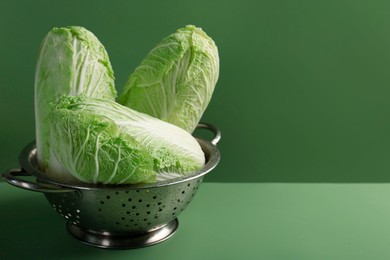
[164, 99]
[72, 163]
[97, 148]
[82, 73]
[74, 65]
[116, 165]
[163, 45]
[92, 91]
[151, 102]
[83, 145]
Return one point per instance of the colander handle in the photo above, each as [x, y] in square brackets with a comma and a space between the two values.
[214, 129]
[12, 177]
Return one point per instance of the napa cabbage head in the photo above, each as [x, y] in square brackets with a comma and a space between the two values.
[71, 61]
[176, 80]
[101, 141]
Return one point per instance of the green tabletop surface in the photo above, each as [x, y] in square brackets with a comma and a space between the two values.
[224, 221]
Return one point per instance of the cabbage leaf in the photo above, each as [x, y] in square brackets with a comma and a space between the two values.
[71, 61]
[176, 80]
[101, 141]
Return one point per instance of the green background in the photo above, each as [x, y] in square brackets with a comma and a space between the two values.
[304, 87]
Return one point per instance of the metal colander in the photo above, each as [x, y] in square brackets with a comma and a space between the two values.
[117, 216]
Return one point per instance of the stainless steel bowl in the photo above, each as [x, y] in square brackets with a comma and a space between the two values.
[117, 216]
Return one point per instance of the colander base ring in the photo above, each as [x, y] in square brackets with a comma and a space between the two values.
[123, 241]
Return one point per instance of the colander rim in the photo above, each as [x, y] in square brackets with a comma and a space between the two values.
[27, 160]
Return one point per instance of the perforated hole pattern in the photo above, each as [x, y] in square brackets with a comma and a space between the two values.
[120, 210]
